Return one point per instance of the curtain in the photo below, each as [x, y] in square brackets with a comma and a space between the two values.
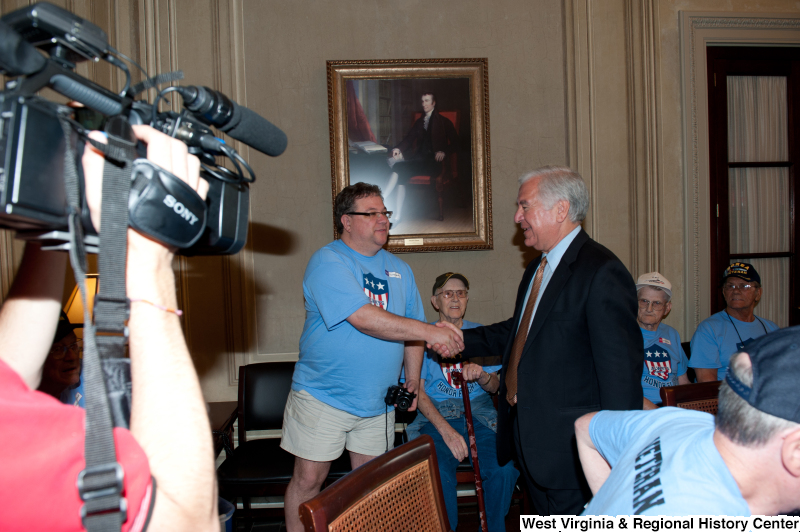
[357, 124]
[759, 206]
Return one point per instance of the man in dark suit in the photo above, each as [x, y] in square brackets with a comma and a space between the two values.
[421, 152]
[575, 348]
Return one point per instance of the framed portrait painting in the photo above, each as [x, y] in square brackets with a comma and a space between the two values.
[419, 129]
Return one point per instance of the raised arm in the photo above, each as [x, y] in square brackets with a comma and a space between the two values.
[29, 316]
[168, 418]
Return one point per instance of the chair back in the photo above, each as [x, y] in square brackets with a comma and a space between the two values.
[703, 396]
[399, 490]
[263, 390]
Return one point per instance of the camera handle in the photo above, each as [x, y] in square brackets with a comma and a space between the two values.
[101, 483]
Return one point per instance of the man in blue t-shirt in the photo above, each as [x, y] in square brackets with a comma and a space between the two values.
[364, 320]
[729, 331]
[664, 360]
[441, 408]
[676, 462]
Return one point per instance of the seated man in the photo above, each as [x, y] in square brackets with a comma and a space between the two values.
[169, 481]
[665, 362]
[441, 409]
[421, 152]
[729, 331]
[672, 461]
[61, 374]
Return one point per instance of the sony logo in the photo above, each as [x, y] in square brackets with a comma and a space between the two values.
[180, 209]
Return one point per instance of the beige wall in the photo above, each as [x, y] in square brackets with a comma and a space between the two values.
[594, 84]
[285, 48]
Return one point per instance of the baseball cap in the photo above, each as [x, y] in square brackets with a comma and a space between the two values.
[776, 370]
[63, 328]
[442, 280]
[742, 270]
[656, 280]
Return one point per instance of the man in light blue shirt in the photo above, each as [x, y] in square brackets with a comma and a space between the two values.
[364, 320]
[665, 362]
[729, 331]
[676, 462]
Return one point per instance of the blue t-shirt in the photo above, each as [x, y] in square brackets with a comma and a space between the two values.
[438, 383]
[720, 336]
[338, 364]
[664, 360]
[447, 398]
[664, 462]
[74, 395]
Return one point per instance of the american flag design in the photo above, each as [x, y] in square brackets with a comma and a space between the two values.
[447, 371]
[377, 291]
[658, 362]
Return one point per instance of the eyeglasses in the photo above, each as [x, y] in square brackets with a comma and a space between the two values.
[60, 351]
[448, 294]
[743, 287]
[657, 305]
[373, 215]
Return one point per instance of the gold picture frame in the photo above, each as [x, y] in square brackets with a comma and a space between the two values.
[375, 106]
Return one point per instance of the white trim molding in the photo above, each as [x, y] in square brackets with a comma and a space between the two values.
[699, 30]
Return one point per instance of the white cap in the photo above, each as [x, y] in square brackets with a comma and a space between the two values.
[656, 280]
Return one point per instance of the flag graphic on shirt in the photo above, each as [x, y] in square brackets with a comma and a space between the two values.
[447, 371]
[377, 291]
[658, 362]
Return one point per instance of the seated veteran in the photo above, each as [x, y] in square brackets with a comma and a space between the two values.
[729, 331]
[665, 363]
[441, 412]
[61, 373]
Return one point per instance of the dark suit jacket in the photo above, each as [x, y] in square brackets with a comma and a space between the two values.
[443, 137]
[583, 353]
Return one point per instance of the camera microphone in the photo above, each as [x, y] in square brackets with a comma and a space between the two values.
[215, 109]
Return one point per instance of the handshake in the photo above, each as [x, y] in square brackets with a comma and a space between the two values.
[446, 339]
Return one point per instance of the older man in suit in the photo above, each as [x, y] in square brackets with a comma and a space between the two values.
[572, 347]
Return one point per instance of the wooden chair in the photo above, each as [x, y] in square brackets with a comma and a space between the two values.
[399, 491]
[449, 168]
[259, 467]
[701, 396]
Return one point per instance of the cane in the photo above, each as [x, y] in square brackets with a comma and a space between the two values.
[473, 448]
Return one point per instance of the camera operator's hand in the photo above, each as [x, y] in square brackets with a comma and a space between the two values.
[168, 415]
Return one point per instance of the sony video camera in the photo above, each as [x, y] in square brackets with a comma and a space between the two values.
[397, 395]
[33, 144]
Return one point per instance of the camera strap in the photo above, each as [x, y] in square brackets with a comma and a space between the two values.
[100, 484]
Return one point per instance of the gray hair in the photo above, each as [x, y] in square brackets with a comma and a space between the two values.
[669, 297]
[558, 183]
[736, 419]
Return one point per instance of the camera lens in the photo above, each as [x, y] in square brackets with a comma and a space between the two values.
[403, 404]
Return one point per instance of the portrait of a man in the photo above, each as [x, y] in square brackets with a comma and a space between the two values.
[411, 137]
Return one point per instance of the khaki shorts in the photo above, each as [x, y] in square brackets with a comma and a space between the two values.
[316, 431]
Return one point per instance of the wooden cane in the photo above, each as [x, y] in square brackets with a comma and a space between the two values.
[458, 378]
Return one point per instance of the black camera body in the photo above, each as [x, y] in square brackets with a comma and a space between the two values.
[397, 395]
[33, 144]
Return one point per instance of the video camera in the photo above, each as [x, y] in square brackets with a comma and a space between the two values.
[33, 144]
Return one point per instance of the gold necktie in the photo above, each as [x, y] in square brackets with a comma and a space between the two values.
[522, 335]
